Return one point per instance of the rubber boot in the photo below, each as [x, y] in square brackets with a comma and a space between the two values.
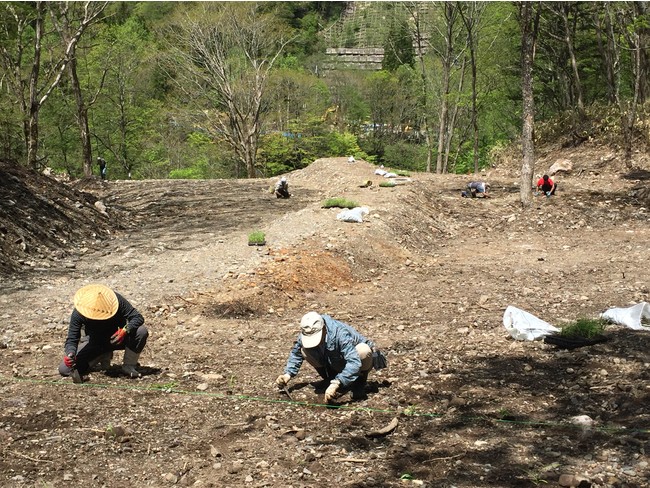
[101, 362]
[130, 362]
[358, 387]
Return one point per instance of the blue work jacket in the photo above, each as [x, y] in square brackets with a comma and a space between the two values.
[338, 352]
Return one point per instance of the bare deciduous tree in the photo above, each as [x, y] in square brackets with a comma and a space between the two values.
[222, 55]
[471, 18]
[450, 33]
[421, 45]
[70, 20]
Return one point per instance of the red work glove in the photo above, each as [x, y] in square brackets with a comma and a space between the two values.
[70, 360]
[118, 337]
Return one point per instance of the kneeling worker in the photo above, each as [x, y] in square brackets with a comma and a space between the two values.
[546, 185]
[339, 353]
[282, 188]
[477, 188]
[110, 323]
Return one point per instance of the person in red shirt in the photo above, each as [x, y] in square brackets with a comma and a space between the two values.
[546, 185]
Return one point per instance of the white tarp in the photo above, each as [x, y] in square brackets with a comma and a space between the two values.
[524, 326]
[631, 317]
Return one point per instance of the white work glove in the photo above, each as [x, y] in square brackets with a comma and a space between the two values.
[330, 393]
[282, 380]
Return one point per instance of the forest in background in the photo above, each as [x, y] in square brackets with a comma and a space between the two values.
[243, 89]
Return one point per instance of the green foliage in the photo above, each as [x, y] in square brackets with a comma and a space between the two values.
[341, 144]
[465, 162]
[283, 152]
[339, 202]
[405, 156]
[398, 49]
[143, 124]
[280, 153]
[583, 327]
[191, 173]
[256, 237]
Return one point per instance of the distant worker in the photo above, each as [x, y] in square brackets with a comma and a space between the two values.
[351, 159]
[102, 167]
[340, 355]
[477, 188]
[282, 188]
[110, 322]
[546, 185]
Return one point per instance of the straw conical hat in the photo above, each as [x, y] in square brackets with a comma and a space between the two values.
[96, 302]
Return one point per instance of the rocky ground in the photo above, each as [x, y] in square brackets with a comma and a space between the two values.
[427, 275]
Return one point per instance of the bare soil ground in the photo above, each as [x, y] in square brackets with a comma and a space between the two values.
[427, 275]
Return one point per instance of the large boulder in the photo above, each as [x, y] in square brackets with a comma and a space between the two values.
[560, 166]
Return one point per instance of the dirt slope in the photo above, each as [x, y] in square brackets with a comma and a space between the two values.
[428, 276]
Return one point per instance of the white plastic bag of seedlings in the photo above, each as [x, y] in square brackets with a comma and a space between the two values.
[632, 317]
[524, 326]
[353, 215]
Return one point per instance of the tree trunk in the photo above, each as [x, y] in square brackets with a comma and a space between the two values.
[82, 117]
[614, 55]
[426, 126]
[603, 54]
[641, 9]
[474, 109]
[471, 22]
[528, 23]
[33, 104]
[447, 59]
[61, 15]
[453, 117]
[629, 114]
[568, 38]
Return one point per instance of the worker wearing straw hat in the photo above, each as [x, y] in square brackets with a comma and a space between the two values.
[110, 322]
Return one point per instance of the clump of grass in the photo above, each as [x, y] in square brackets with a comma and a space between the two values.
[387, 184]
[339, 202]
[583, 327]
[401, 172]
[256, 237]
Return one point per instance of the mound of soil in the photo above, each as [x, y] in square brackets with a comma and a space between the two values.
[427, 275]
[44, 223]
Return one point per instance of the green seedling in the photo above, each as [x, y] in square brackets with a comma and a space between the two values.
[504, 413]
[536, 479]
[167, 387]
[535, 476]
[411, 410]
[583, 327]
[257, 237]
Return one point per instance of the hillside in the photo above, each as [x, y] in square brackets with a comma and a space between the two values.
[428, 276]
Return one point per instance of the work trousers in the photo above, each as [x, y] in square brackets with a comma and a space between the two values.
[94, 345]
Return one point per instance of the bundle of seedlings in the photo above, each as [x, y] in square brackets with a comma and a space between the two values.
[582, 332]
